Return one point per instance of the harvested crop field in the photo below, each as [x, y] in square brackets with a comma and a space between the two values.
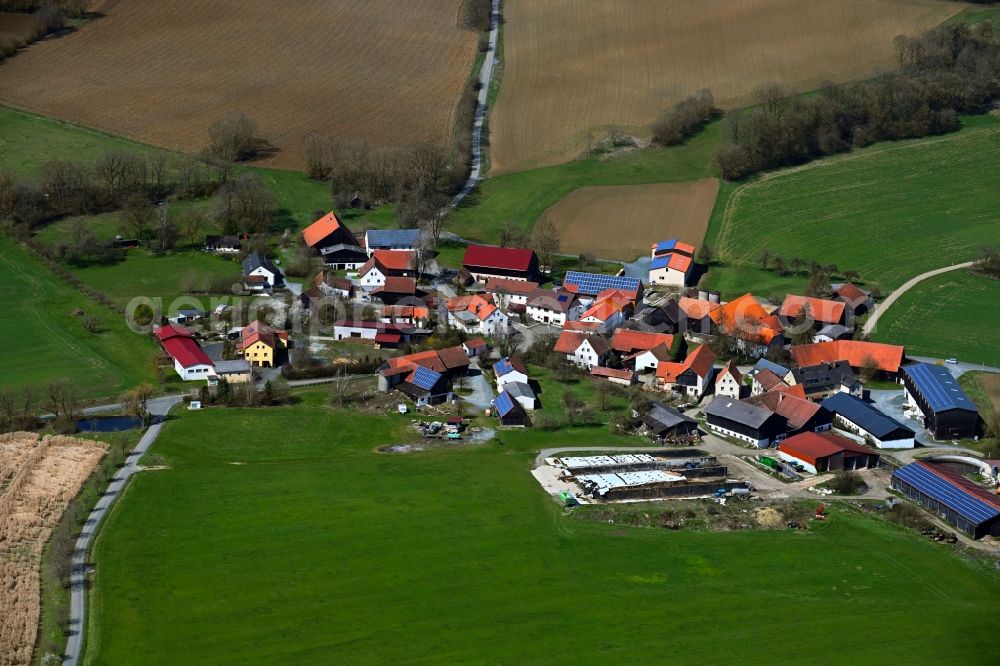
[574, 68]
[38, 478]
[621, 222]
[162, 72]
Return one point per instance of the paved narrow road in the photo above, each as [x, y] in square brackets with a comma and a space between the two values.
[485, 77]
[158, 409]
[909, 284]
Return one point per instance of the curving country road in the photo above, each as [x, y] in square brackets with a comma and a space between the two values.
[158, 409]
[485, 76]
[909, 284]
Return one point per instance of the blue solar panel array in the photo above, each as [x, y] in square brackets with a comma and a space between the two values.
[939, 388]
[504, 404]
[591, 284]
[425, 378]
[659, 262]
[393, 237]
[666, 245]
[957, 499]
[503, 366]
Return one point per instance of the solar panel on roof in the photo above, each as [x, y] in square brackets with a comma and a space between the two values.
[954, 497]
[938, 387]
[593, 283]
[503, 366]
[425, 378]
[504, 404]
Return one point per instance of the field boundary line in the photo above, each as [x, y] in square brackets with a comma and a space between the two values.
[905, 287]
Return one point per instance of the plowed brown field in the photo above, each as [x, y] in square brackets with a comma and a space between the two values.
[15, 26]
[573, 68]
[161, 72]
[38, 478]
[621, 222]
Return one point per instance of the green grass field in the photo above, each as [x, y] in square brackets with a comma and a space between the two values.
[954, 314]
[734, 281]
[891, 211]
[523, 197]
[48, 342]
[317, 549]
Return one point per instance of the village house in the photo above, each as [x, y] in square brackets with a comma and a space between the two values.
[608, 311]
[881, 358]
[824, 379]
[583, 349]
[664, 422]
[449, 362]
[755, 328]
[697, 315]
[508, 371]
[933, 391]
[482, 262]
[511, 295]
[692, 377]
[416, 316]
[800, 415]
[391, 239]
[860, 420]
[260, 273]
[729, 381]
[553, 307]
[190, 361]
[644, 350]
[335, 243]
[764, 381]
[385, 264]
[476, 314]
[741, 420]
[820, 311]
[649, 360]
[263, 346]
[672, 263]
[826, 452]
[231, 244]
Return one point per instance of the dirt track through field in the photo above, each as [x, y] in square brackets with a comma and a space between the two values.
[162, 72]
[38, 478]
[574, 68]
[621, 222]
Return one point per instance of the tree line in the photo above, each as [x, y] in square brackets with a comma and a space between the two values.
[48, 17]
[948, 71]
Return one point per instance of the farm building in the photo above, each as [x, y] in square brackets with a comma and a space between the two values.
[649, 360]
[822, 312]
[826, 452]
[482, 262]
[425, 386]
[412, 315]
[664, 318]
[391, 239]
[377, 331]
[509, 410]
[764, 364]
[397, 289]
[959, 501]
[729, 381]
[476, 314]
[628, 342]
[862, 420]
[260, 273]
[663, 421]
[764, 381]
[623, 377]
[509, 370]
[948, 412]
[672, 263]
[692, 377]
[608, 311]
[583, 349]
[335, 242]
[857, 300]
[884, 358]
[824, 379]
[451, 362]
[755, 328]
[522, 393]
[741, 420]
[832, 333]
[384, 264]
[190, 361]
[589, 285]
[697, 315]
[234, 372]
[800, 415]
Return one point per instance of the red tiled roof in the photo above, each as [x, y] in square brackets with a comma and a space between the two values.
[478, 305]
[700, 362]
[321, 228]
[730, 369]
[258, 331]
[506, 258]
[582, 326]
[887, 357]
[747, 319]
[828, 312]
[569, 341]
[768, 380]
[810, 446]
[851, 293]
[696, 309]
[599, 371]
[453, 357]
[394, 260]
[181, 346]
[398, 285]
[627, 341]
[798, 390]
[168, 331]
[388, 338]
[475, 343]
[508, 286]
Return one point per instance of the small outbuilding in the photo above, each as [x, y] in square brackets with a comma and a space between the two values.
[826, 452]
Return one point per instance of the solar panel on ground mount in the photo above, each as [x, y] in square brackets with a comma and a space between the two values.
[959, 500]
[425, 378]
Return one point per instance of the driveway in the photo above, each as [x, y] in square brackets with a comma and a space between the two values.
[158, 410]
[482, 393]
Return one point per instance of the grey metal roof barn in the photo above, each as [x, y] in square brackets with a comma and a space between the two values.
[866, 416]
